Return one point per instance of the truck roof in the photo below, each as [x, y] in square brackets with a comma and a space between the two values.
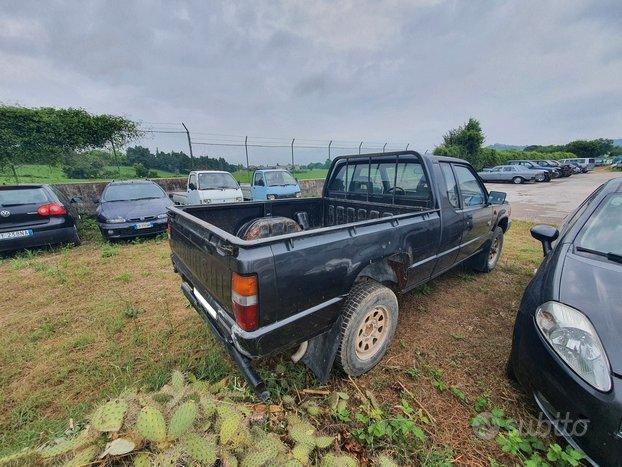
[402, 153]
[209, 172]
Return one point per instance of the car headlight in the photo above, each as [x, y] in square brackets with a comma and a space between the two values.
[298, 195]
[574, 339]
[271, 196]
[115, 220]
[163, 216]
[239, 199]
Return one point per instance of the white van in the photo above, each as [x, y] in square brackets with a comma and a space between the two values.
[209, 186]
[584, 162]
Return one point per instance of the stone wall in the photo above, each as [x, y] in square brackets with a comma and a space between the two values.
[92, 190]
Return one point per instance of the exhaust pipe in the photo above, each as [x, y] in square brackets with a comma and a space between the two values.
[302, 350]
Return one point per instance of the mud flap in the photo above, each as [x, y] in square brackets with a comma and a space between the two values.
[320, 354]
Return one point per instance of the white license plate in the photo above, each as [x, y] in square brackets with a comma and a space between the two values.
[16, 234]
[143, 225]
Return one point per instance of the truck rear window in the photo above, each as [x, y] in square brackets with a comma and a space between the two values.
[382, 182]
[18, 196]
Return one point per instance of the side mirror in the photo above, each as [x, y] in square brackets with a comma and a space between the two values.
[546, 234]
[192, 186]
[497, 197]
[76, 200]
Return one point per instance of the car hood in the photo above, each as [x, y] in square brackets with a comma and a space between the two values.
[593, 287]
[133, 209]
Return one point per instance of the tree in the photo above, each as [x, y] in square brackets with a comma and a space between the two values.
[47, 135]
[465, 142]
[592, 148]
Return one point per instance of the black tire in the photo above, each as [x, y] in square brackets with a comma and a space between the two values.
[359, 350]
[487, 260]
[75, 241]
[540, 178]
[509, 370]
[517, 180]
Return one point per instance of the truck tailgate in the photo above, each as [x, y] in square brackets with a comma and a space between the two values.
[203, 257]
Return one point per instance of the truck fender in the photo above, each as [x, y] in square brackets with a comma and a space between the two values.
[387, 270]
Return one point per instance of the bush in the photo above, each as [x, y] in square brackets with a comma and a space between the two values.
[141, 170]
[82, 166]
[153, 174]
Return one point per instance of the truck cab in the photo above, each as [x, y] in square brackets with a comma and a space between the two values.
[209, 187]
[271, 184]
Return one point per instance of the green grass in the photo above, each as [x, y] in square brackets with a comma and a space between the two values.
[37, 173]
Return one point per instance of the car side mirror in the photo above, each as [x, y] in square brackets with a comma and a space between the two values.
[76, 200]
[497, 197]
[260, 183]
[192, 186]
[546, 234]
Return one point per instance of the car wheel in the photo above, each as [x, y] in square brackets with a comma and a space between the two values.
[369, 320]
[487, 260]
[509, 370]
[540, 178]
[75, 241]
[517, 180]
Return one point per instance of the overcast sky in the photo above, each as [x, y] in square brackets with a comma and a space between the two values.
[533, 72]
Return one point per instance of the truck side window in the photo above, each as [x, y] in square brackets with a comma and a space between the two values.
[192, 180]
[258, 178]
[470, 189]
[338, 181]
[450, 185]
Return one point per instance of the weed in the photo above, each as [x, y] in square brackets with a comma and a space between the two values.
[436, 458]
[43, 332]
[425, 289]
[109, 250]
[126, 277]
[414, 373]
[482, 402]
[130, 311]
[457, 392]
[82, 342]
[456, 335]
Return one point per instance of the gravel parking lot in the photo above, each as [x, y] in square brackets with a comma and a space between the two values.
[551, 202]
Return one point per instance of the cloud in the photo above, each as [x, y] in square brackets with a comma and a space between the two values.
[397, 71]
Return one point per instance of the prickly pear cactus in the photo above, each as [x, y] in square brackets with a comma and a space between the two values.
[208, 405]
[182, 419]
[109, 417]
[142, 460]
[301, 453]
[200, 449]
[322, 442]
[384, 461]
[230, 421]
[151, 425]
[301, 431]
[25, 457]
[333, 460]
[83, 457]
[177, 381]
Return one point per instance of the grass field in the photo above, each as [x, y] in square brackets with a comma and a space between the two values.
[45, 174]
[34, 173]
[80, 324]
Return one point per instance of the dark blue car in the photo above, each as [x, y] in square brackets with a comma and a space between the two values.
[132, 208]
[566, 349]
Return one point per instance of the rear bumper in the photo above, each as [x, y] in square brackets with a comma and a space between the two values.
[267, 339]
[39, 238]
[127, 230]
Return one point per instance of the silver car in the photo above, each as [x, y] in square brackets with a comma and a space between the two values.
[511, 173]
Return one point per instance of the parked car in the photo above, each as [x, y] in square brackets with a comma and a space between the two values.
[511, 173]
[36, 215]
[269, 184]
[565, 170]
[320, 273]
[576, 168]
[132, 208]
[550, 172]
[586, 163]
[208, 187]
[566, 349]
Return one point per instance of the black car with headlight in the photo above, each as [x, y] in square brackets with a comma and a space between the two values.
[566, 349]
[132, 208]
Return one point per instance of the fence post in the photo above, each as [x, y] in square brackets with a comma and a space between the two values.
[246, 150]
[294, 139]
[329, 145]
[189, 140]
[407, 146]
[383, 147]
[360, 147]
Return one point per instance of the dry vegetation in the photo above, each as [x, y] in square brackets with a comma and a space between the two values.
[78, 325]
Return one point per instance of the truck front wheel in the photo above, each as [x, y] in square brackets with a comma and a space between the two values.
[369, 320]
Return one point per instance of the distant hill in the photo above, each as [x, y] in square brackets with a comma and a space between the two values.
[617, 142]
[505, 147]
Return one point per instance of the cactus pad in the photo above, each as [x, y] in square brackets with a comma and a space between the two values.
[177, 381]
[332, 460]
[384, 461]
[301, 453]
[151, 425]
[202, 450]
[322, 442]
[142, 460]
[182, 419]
[109, 417]
[83, 458]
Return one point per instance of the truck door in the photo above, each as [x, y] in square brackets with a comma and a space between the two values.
[453, 219]
[475, 209]
[192, 191]
[258, 188]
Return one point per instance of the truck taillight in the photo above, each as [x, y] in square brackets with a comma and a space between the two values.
[51, 209]
[244, 297]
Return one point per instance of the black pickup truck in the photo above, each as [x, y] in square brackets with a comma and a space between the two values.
[322, 273]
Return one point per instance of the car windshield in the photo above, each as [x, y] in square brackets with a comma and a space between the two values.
[132, 192]
[216, 181]
[19, 196]
[603, 230]
[279, 178]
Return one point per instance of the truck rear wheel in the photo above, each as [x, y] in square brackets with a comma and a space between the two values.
[369, 320]
[489, 257]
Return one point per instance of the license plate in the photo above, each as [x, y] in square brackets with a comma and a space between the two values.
[143, 225]
[16, 234]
